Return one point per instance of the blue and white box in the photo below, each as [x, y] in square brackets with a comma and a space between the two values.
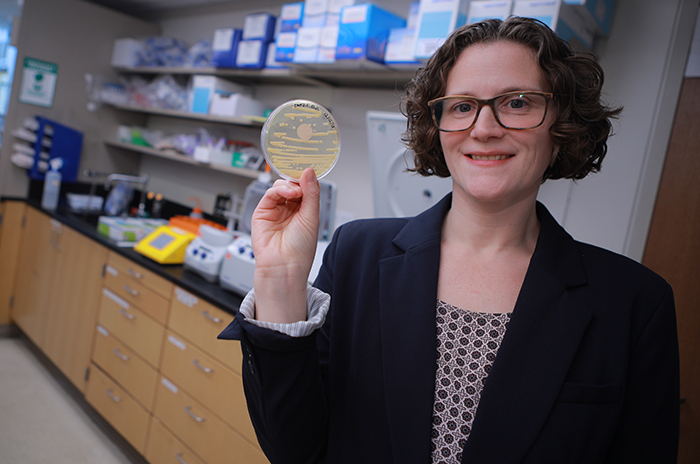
[224, 47]
[412, 19]
[334, 9]
[308, 43]
[252, 54]
[204, 87]
[437, 19]
[399, 49]
[480, 10]
[285, 45]
[315, 13]
[364, 32]
[259, 26]
[290, 16]
[328, 44]
[568, 23]
[271, 61]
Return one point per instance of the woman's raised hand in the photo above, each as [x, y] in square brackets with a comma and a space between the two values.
[284, 236]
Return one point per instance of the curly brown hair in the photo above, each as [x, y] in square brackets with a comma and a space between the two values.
[582, 124]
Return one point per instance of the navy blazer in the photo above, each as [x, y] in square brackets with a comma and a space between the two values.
[587, 371]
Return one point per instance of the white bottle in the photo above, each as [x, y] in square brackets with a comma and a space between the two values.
[52, 185]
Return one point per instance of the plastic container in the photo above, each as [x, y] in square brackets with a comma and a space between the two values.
[52, 185]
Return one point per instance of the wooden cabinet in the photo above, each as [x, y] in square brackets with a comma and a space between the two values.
[119, 408]
[164, 448]
[11, 214]
[57, 290]
[37, 256]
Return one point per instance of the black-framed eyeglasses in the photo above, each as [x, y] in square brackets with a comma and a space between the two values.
[513, 110]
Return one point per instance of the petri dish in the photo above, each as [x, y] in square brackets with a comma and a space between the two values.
[300, 134]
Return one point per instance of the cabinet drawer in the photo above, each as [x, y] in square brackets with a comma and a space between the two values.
[164, 448]
[140, 274]
[215, 386]
[137, 294]
[200, 322]
[134, 328]
[125, 366]
[208, 436]
[118, 408]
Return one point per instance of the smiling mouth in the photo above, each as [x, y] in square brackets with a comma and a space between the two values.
[489, 158]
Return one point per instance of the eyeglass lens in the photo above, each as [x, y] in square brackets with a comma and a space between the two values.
[512, 111]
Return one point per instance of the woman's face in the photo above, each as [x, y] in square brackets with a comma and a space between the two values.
[489, 163]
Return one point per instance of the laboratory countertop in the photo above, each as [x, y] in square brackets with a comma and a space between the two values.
[86, 224]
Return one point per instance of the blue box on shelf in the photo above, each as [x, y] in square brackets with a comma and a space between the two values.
[364, 32]
[225, 46]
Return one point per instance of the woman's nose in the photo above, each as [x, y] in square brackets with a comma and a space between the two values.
[486, 125]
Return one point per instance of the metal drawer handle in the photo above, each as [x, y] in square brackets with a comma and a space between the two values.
[179, 458]
[193, 415]
[131, 290]
[121, 355]
[210, 317]
[204, 368]
[116, 399]
[134, 273]
[126, 314]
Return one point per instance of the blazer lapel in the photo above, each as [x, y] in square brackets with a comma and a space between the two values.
[408, 283]
[542, 338]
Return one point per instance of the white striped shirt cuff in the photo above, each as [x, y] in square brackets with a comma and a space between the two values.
[317, 304]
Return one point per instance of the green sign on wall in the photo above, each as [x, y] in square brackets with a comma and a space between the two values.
[38, 82]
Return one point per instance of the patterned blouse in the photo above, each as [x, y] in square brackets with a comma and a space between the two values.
[467, 343]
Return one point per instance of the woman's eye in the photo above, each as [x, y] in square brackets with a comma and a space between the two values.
[464, 107]
[516, 104]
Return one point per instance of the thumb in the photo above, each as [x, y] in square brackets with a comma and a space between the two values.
[311, 190]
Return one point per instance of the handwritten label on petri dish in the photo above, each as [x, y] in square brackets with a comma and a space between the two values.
[300, 134]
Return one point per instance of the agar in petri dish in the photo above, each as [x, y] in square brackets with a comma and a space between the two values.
[300, 134]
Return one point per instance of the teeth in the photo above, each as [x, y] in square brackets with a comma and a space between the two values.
[489, 158]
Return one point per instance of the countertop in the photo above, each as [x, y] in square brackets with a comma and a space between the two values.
[86, 224]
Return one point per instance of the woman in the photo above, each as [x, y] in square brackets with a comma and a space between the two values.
[478, 331]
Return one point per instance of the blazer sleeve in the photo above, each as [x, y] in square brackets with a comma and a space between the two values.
[284, 380]
[649, 425]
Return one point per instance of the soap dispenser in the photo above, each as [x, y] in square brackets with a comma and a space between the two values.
[52, 185]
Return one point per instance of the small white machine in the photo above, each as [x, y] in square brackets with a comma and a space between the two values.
[205, 254]
[238, 266]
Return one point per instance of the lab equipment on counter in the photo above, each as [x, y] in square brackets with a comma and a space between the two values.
[205, 254]
[165, 245]
[127, 231]
[238, 267]
[52, 185]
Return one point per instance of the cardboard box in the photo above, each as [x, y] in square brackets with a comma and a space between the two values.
[271, 61]
[285, 45]
[400, 48]
[225, 46]
[308, 43]
[480, 10]
[259, 26]
[251, 54]
[290, 17]
[315, 13]
[126, 52]
[235, 105]
[364, 32]
[437, 19]
[328, 43]
[562, 18]
[205, 87]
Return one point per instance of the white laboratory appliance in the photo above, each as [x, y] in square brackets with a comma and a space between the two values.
[398, 193]
[238, 266]
[205, 254]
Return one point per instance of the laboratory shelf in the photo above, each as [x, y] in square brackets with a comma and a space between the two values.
[193, 116]
[241, 172]
[365, 74]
